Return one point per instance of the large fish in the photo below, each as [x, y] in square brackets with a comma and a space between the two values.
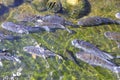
[39, 51]
[113, 36]
[5, 55]
[96, 21]
[88, 47]
[92, 59]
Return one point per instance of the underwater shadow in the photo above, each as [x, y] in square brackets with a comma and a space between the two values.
[3, 9]
[86, 9]
[16, 3]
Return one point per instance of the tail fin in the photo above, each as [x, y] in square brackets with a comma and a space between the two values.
[117, 71]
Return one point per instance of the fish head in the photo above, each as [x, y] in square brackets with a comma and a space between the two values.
[108, 35]
[27, 49]
[78, 43]
[6, 24]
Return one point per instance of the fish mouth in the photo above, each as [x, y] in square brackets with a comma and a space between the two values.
[107, 34]
[73, 42]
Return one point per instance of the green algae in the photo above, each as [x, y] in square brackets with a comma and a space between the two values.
[59, 42]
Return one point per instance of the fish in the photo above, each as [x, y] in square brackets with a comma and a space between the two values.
[10, 26]
[8, 37]
[88, 47]
[21, 29]
[117, 15]
[96, 21]
[5, 55]
[55, 19]
[51, 27]
[113, 36]
[94, 60]
[40, 52]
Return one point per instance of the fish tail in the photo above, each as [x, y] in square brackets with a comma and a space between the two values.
[117, 22]
[117, 71]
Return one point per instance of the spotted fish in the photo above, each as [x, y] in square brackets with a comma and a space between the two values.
[88, 47]
[39, 51]
[113, 36]
[96, 21]
[92, 59]
[5, 55]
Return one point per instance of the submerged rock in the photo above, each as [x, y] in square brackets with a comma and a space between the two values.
[94, 60]
[90, 48]
[76, 8]
[96, 21]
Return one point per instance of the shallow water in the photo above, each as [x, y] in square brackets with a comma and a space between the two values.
[58, 42]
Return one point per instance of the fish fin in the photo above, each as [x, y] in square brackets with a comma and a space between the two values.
[33, 56]
[117, 71]
[108, 56]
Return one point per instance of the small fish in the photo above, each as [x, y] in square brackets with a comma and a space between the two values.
[113, 36]
[51, 27]
[8, 37]
[56, 19]
[21, 29]
[96, 21]
[88, 47]
[5, 55]
[117, 15]
[94, 60]
[40, 51]
[10, 26]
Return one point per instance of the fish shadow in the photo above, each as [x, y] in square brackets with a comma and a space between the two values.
[86, 9]
[3, 9]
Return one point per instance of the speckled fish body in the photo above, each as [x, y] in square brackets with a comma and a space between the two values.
[112, 35]
[39, 51]
[96, 21]
[56, 19]
[92, 59]
[88, 47]
[10, 26]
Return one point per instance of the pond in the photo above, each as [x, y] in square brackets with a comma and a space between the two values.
[55, 37]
